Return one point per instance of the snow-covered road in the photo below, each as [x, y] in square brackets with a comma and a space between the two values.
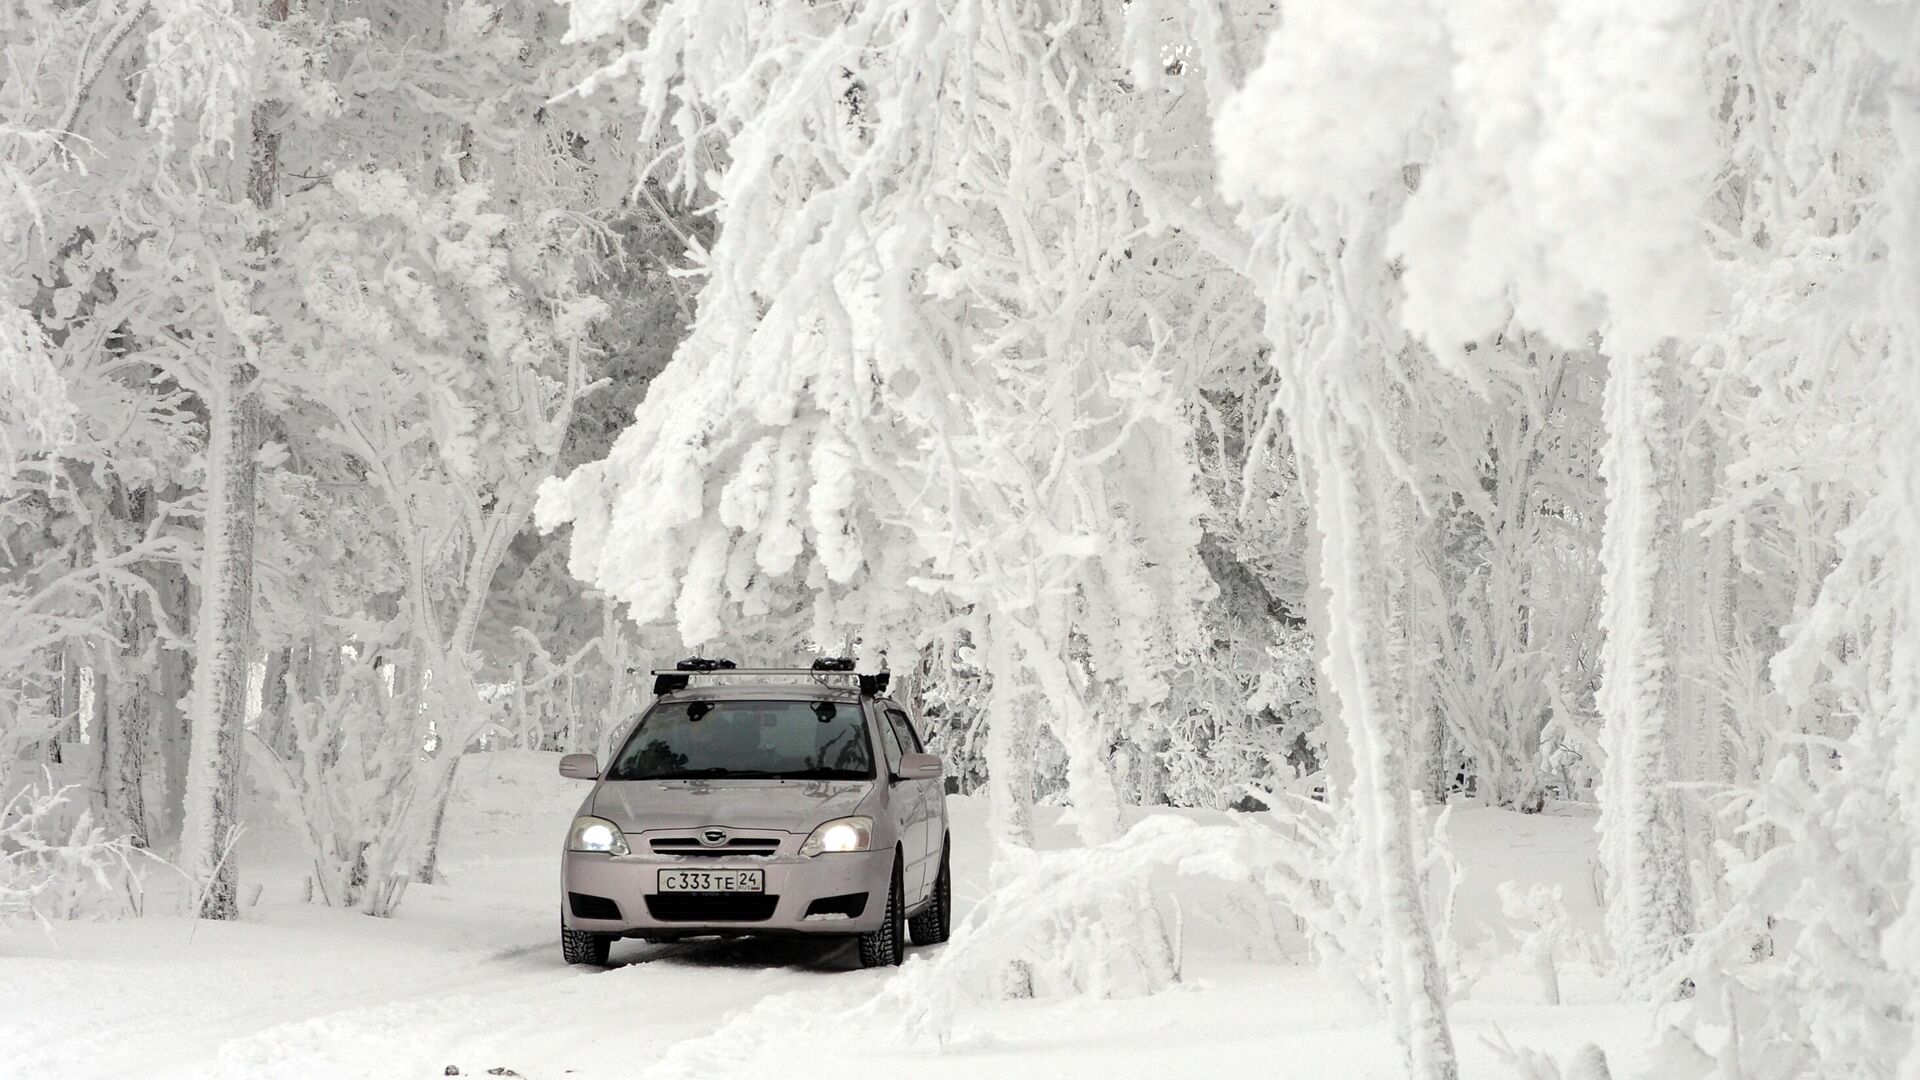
[469, 977]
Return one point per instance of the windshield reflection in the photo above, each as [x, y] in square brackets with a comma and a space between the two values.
[740, 740]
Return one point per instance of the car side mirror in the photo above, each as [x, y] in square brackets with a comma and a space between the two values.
[921, 767]
[580, 767]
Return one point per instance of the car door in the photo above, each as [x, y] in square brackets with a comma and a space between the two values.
[906, 800]
[930, 796]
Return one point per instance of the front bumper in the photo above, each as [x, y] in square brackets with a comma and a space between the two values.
[793, 883]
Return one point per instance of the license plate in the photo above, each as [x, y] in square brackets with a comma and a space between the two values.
[712, 881]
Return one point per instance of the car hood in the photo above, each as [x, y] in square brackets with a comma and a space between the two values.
[789, 805]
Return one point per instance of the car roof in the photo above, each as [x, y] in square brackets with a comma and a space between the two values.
[784, 691]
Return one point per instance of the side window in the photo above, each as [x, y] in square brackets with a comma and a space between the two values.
[891, 743]
[903, 730]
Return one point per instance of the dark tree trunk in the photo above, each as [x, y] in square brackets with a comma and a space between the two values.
[128, 696]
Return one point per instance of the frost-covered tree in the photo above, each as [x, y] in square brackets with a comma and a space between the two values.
[445, 357]
[918, 255]
[1341, 416]
[1318, 218]
[1518, 216]
[203, 75]
[188, 221]
[1188, 402]
[91, 436]
[1807, 960]
[1645, 280]
[444, 341]
[1513, 553]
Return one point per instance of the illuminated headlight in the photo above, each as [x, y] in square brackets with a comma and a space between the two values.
[840, 834]
[596, 834]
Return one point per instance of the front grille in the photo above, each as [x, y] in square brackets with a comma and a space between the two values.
[847, 904]
[735, 845]
[589, 906]
[711, 907]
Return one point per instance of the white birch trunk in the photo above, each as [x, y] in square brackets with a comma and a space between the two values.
[1361, 534]
[1427, 729]
[1010, 731]
[1009, 756]
[1337, 763]
[1902, 945]
[1700, 638]
[1642, 848]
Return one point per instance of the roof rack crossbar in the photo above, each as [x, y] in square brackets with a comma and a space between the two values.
[667, 680]
[753, 671]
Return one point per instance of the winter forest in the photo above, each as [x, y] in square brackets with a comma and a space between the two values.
[1389, 512]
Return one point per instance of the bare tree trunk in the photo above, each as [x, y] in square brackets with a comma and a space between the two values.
[275, 704]
[1150, 770]
[71, 667]
[53, 663]
[124, 744]
[428, 872]
[1434, 776]
[124, 734]
[171, 728]
[98, 662]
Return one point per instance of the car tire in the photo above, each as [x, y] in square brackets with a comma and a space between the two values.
[584, 947]
[884, 947]
[935, 922]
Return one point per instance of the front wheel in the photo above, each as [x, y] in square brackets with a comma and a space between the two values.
[582, 947]
[935, 921]
[883, 947]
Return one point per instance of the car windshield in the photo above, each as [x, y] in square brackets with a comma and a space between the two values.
[788, 740]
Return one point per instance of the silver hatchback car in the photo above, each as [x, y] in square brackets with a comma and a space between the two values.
[765, 801]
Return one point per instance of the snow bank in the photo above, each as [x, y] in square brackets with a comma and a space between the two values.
[468, 974]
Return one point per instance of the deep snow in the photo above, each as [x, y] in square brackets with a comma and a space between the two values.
[469, 975]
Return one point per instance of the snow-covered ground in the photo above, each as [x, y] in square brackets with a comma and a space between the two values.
[469, 976]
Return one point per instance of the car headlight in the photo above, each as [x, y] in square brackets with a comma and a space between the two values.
[596, 834]
[840, 834]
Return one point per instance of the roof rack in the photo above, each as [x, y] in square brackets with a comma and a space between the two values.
[681, 675]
